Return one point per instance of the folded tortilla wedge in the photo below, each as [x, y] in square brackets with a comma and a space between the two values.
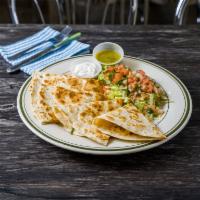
[129, 124]
[68, 89]
[68, 102]
[83, 124]
[41, 98]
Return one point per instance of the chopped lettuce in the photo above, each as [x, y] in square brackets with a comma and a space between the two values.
[116, 92]
[140, 104]
[101, 77]
[152, 99]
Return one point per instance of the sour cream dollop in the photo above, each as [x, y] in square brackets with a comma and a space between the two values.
[86, 69]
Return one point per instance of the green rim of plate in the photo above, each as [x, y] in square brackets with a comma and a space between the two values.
[175, 130]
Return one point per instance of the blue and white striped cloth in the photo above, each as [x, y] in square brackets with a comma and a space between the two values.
[65, 51]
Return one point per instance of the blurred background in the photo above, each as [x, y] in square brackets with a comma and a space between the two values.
[96, 11]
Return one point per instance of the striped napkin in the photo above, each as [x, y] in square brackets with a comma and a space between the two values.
[63, 52]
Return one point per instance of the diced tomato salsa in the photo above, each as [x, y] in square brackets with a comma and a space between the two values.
[133, 86]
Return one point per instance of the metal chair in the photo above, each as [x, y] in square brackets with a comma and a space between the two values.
[145, 6]
[15, 19]
[70, 11]
[109, 3]
[180, 11]
[105, 12]
[13, 11]
[112, 4]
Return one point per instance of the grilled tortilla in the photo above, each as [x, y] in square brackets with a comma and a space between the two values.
[41, 99]
[68, 103]
[128, 122]
[116, 131]
[49, 91]
[65, 96]
[73, 83]
[41, 87]
[83, 125]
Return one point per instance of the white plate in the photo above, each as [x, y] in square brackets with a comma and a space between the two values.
[177, 112]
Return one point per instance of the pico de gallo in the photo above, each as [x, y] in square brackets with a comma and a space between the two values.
[133, 86]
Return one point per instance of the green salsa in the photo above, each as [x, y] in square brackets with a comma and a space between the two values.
[108, 56]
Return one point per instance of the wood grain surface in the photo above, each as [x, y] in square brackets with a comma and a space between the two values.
[33, 169]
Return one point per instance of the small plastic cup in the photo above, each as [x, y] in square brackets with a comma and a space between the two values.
[109, 46]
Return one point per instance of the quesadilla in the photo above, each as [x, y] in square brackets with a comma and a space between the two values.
[67, 103]
[34, 87]
[49, 91]
[116, 131]
[41, 87]
[65, 96]
[73, 83]
[83, 124]
[128, 122]
[40, 102]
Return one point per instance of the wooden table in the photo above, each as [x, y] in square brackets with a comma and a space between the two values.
[33, 169]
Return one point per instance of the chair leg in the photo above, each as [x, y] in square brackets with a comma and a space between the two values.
[105, 12]
[122, 6]
[73, 11]
[146, 11]
[39, 11]
[180, 11]
[13, 12]
[113, 13]
[68, 13]
[132, 19]
[198, 11]
[87, 11]
[60, 11]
